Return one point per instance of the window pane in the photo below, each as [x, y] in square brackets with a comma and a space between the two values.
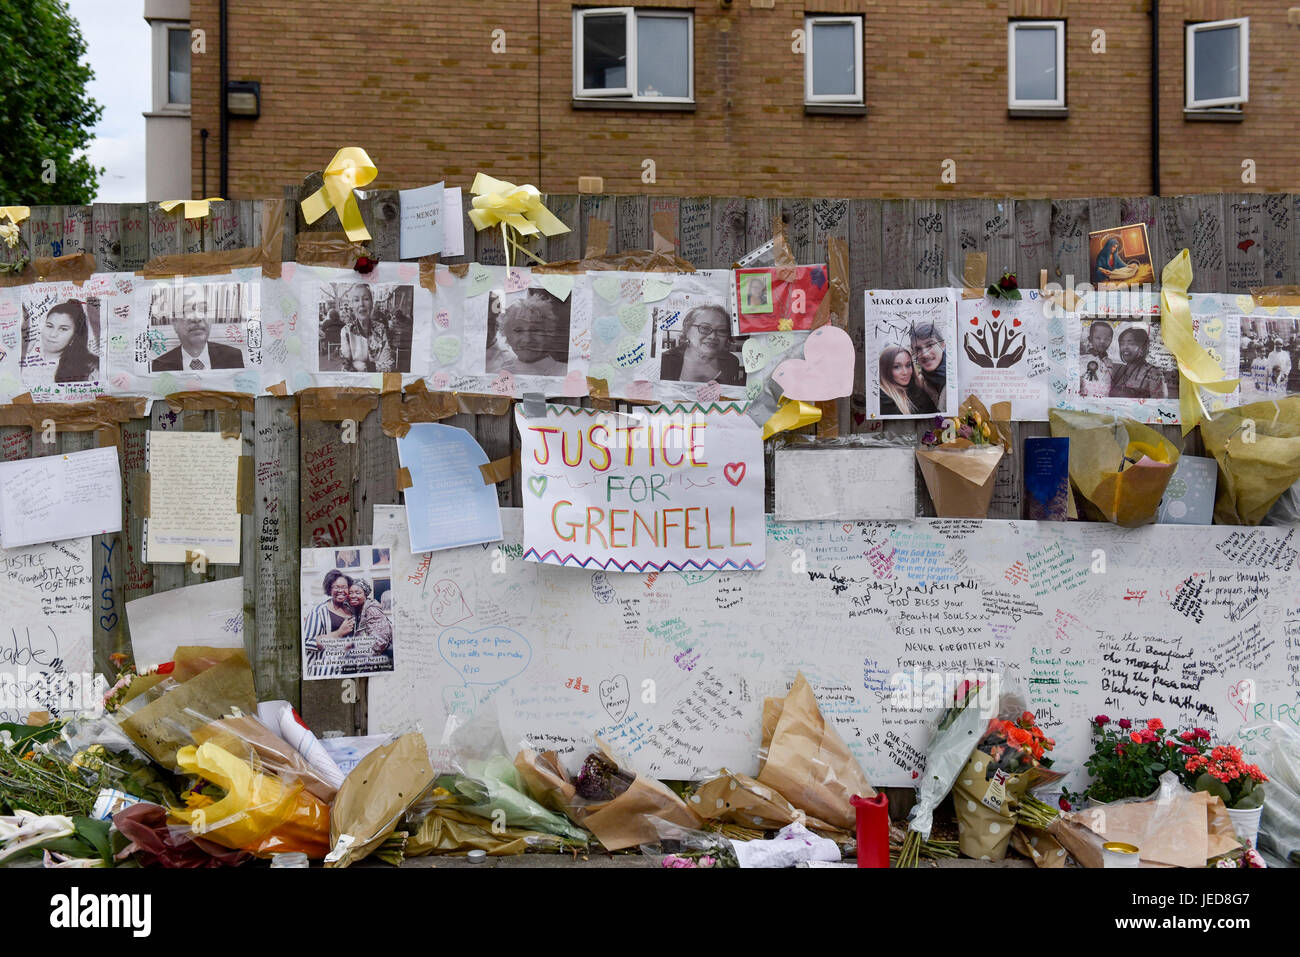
[663, 51]
[604, 52]
[1035, 64]
[833, 59]
[1217, 63]
[178, 66]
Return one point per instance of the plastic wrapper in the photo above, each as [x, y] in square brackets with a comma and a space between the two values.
[375, 797]
[259, 812]
[107, 758]
[738, 799]
[488, 783]
[448, 829]
[804, 758]
[954, 735]
[1121, 467]
[1275, 747]
[250, 739]
[1286, 510]
[282, 719]
[1257, 447]
[155, 843]
[620, 808]
[676, 845]
[1174, 827]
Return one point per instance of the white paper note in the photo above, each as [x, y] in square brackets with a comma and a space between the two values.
[60, 496]
[210, 614]
[421, 231]
[193, 482]
[845, 484]
[453, 223]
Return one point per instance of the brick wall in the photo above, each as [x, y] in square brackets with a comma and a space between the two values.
[416, 84]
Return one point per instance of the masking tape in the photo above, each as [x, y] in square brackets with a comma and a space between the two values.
[244, 487]
[404, 479]
[499, 470]
[140, 493]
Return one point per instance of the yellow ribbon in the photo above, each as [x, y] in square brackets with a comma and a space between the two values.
[1196, 368]
[791, 415]
[350, 169]
[15, 214]
[498, 203]
[194, 208]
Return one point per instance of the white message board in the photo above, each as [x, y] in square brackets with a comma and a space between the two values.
[1193, 625]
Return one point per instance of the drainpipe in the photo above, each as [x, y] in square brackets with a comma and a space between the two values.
[225, 123]
[1155, 97]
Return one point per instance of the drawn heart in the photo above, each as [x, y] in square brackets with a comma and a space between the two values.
[1214, 328]
[614, 696]
[480, 280]
[753, 389]
[607, 327]
[518, 279]
[975, 321]
[633, 316]
[629, 352]
[652, 290]
[446, 349]
[606, 287]
[108, 621]
[826, 370]
[557, 285]
[448, 605]
[1242, 696]
[755, 354]
[1245, 244]
[442, 318]
[848, 527]
[537, 485]
[734, 472]
[641, 390]
[575, 383]
[1015, 323]
[504, 383]
[996, 313]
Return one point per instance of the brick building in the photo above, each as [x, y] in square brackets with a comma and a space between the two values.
[759, 97]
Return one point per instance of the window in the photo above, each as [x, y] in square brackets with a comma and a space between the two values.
[632, 54]
[178, 67]
[1217, 63]
[833, 60]
[1036, 64]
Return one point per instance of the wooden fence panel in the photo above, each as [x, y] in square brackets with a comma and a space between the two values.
[695, 230]
[633, 218]
[728, 230]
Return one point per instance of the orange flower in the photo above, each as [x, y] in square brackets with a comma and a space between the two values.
[1135, 737]
[1027, 718]
[1018, 736]
[1155, 724]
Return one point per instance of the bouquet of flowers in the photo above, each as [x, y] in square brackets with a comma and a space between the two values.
[961, 457]
[955, 735]
[990, 792]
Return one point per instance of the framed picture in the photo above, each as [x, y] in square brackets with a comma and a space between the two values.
[1120, 257]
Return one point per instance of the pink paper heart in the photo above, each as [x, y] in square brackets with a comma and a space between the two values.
[575, 383]
[408, 272]
[517, 280]
[640, 390]
[442, 318]
[275, 329]
[734, 472]
[439, 381]
[708, 392]
[826, 370]
[504, 383]
[121, 381]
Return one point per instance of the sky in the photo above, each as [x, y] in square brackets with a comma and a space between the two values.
[118, 42]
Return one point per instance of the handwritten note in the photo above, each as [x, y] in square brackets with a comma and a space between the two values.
[829, 484]
[210, 614]
[193, 486]
[60, 496]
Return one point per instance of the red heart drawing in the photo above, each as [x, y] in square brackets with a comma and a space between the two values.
[975, 321]
[915, 775]
[1015, 322]
[996, 313]
[1245, 244]
[734, 472]
[1242, 696]
[848, 527]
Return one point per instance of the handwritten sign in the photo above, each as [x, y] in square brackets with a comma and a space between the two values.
[60, 496]
[674, 488]
[193, 486]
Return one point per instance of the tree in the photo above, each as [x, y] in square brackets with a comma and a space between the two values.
[46, 114]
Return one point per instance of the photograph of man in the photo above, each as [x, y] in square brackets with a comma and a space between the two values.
[195, 353]
[928, 348]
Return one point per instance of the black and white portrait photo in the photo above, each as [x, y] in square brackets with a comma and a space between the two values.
[200, 327]
[1270, 358]
[62, 340]
[697, 345]
[528, 333]
[366, 326]
[1125, 359]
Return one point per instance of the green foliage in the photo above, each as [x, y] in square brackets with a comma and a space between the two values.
[45, 111]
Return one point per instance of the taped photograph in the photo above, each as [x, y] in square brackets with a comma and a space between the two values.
[697, 346]
[527, 333]
[1270, 358]
[347, 602]
[365, 327]
[61, 341]
[1125, 360]
[202, 327]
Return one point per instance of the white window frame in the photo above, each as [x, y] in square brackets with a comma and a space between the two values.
[1059, 101]
[161, 63]
[809, 97]
[1243, 24]
[628, 92]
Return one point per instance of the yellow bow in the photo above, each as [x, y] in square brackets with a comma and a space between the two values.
[1196, 367]
[350, 169]
[15, 214]
[520, 208]
[791, 415]
[194, 208]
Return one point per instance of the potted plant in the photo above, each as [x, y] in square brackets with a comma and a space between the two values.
[1226, 775]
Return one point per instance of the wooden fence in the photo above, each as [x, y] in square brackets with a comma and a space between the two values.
[1237, 242]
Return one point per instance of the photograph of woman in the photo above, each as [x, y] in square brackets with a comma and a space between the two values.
[349, 633]
[757, 298]
[931, 356]
[900, 389]
[57, 347]
[366, 327]
[1134, 377]
[701, 352]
